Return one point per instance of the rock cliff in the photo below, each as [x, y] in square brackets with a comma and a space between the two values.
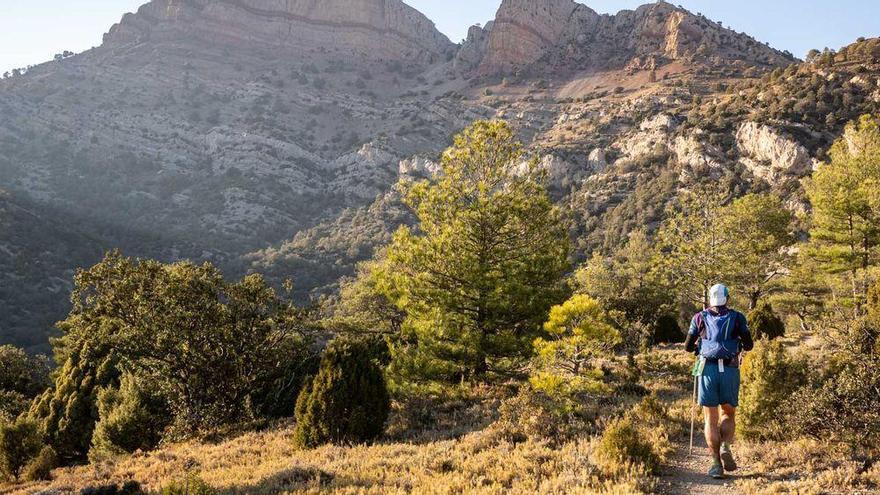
[563, 33]
[374, 29]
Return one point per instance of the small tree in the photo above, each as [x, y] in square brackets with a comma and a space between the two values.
[346, 402]
[132, 417]
[66, 413]
[577, 333]
[20, 442]
[845, 194]
[763, 323]
[769, 377]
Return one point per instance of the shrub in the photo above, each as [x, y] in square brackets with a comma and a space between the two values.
[623, 448]
[533, 413]
[19, 443]
[128, 488]
[132, 417]
[667, 330]
[764, 323]
[40, 468]
[346, 402]
[66, 413]
[843, 407]
[769, 377]
[192, 485]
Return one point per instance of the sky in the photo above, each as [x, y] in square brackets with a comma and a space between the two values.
[32, 31]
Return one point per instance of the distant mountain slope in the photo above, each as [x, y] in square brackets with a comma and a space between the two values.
[266, 135]
[39, 251]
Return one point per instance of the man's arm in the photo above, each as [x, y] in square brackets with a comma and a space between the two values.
[745, 336]
[693, 336]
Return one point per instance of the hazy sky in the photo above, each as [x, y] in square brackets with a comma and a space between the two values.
[32, 31]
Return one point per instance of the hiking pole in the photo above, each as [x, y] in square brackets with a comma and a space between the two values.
[697, 372]
[693, 417]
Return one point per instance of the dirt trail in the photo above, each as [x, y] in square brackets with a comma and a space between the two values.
[687, 474]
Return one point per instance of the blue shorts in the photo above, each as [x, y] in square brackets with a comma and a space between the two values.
[718, 388]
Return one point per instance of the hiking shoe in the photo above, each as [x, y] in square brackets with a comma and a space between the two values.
[716, 471]
[727, 459]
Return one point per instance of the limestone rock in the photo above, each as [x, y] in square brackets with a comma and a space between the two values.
[596, 160]
[770, 155]
[418, 167]
[565, 33]
[473, 49]
[375, 29]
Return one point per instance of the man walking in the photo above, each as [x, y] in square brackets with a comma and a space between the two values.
[718, 335]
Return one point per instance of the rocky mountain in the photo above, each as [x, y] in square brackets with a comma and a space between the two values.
[571, 35]
[267, 136]
[375, 30]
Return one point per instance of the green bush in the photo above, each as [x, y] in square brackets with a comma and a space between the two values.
[842, 407]
[623, 447]
[667, 330]
[66, 413]
[22, 378]
[764, 323]
[191, 485]
[20, 442]
[132, 417]
[769, 377]
[346, 402]
[40, 468]
[12, 404]
[533, 413]
[130, 487]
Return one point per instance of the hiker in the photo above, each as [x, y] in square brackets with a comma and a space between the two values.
[718, 335]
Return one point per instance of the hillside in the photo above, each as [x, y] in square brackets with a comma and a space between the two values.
[264, 138]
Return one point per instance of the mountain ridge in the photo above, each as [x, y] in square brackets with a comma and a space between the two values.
[225, 151]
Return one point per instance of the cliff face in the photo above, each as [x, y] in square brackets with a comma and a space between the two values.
[562, 33]
[374, 29]
[524, 30]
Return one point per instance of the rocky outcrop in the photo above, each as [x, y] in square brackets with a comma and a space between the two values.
[375, 29]
[418, 167]
[564, 33]
[770, 155]
[473, 49]
[525, 29]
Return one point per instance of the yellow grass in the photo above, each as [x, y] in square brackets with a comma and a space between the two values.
[264, 463]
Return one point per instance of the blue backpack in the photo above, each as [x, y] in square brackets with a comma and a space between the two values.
[718, 333]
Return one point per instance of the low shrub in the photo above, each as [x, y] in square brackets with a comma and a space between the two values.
[765, 324]
[347, 402]
[20, 442]
[130, 487]
[769, 376]
[191, 485]
[131, 417]
[623, 448]
[841, 407]
[40, 468]
[533, 413]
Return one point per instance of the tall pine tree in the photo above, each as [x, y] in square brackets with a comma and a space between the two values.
[487, 261]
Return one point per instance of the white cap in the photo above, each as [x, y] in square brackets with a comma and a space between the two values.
[718, 295]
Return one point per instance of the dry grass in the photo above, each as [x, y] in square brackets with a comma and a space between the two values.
[263, 463]
[463, 450]
[808, 467]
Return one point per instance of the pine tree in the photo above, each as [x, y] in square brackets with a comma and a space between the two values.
[346, 402]
[486, 263]
[845, 194]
